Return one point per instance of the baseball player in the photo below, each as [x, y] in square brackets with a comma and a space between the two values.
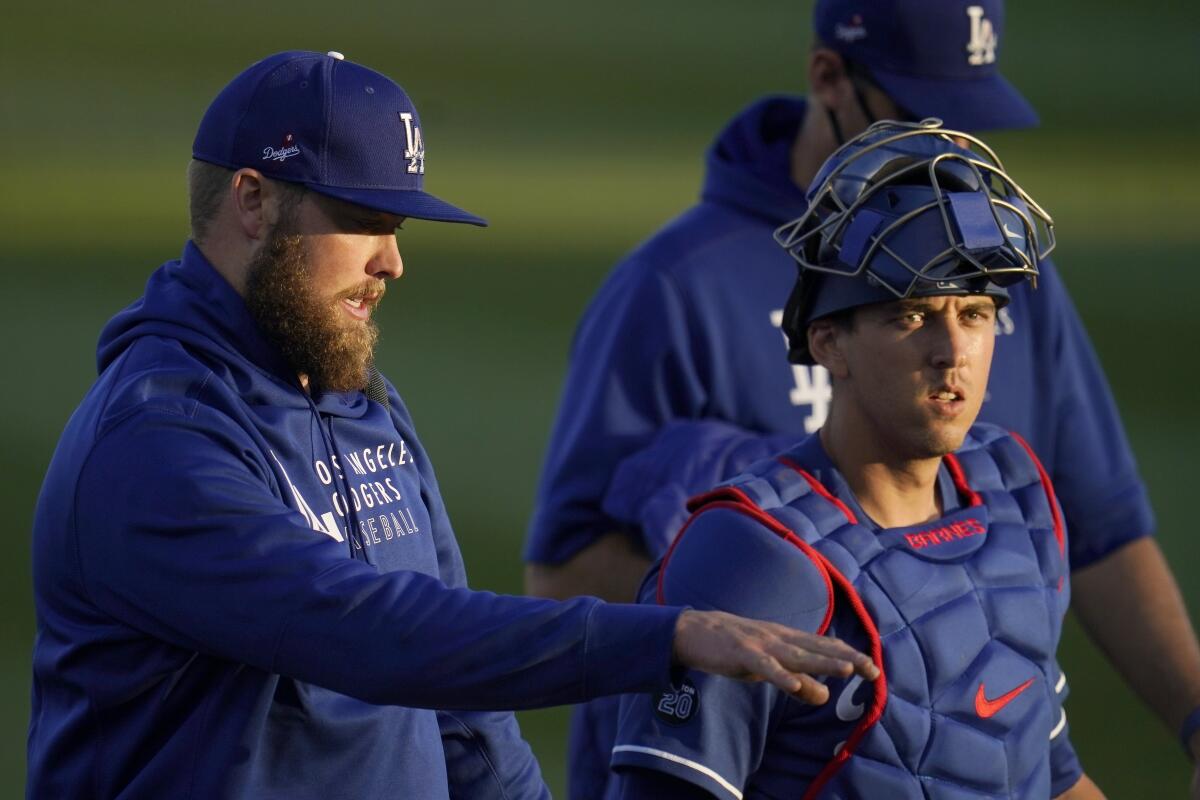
[677, 378]
[936, 546]
[246, 580]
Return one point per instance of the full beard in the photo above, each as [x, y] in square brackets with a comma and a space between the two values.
[334, 354]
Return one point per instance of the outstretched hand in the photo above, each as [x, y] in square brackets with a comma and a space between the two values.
[752, 650]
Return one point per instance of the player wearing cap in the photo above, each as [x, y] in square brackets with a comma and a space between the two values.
[935, 545]
[246, 581]
[677, 377]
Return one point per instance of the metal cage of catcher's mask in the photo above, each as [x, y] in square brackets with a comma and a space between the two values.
[911, 211]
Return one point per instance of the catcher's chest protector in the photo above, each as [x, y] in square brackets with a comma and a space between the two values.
[962, 615]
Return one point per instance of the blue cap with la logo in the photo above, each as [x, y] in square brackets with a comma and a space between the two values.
[337, 127]
[934, 58]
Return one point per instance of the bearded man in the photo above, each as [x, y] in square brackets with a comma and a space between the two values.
[246, 580]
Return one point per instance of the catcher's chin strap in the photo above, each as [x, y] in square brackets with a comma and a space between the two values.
[376, 387]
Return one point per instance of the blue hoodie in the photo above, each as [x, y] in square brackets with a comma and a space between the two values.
[245, 591]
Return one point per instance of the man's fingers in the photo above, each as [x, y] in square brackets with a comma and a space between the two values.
[831, 648]
[797, 660]
[802, 665]
[803, 687]
[812, 691]
[857, 662]
[724, 644]
[826, 654]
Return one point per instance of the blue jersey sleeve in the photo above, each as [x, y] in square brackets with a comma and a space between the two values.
[1086, 452]
[632, 369]
[709, 731]
[635, 783]
[650, 488]
[1065, 769]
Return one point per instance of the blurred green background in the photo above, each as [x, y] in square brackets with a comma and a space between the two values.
[577, 129]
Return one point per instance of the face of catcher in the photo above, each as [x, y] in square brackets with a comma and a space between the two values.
[313, 286]
[910, 376]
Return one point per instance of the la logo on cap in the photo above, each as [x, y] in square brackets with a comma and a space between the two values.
[982, 45]
[415, 151]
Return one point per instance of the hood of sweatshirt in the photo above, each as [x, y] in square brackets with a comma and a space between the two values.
[189, 301]
[749, 164]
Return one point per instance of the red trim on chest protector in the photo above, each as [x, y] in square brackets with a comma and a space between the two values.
[960, 480]
[820, 489]
[732, 496]
[957, 475]
[1059, 533]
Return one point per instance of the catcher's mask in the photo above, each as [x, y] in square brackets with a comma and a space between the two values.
[902, 210]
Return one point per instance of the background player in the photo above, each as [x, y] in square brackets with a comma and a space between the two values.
[676, 378]
[945, 559]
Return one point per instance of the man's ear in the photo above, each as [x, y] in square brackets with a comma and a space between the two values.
[825, 340]
[828, 82]
[246, 188]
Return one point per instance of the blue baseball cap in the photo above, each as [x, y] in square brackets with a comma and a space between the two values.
[934, 58]
[337, 127]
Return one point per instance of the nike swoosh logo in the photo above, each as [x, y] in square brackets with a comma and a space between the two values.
[989, 708]
[1012, 234]
[848, 710]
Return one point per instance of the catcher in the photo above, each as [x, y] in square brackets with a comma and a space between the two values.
[901, 526]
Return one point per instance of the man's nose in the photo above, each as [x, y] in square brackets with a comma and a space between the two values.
[950, 345]
[386, 262]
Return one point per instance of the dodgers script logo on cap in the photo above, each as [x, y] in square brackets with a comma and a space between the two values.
[337, 127]
[935, 58]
